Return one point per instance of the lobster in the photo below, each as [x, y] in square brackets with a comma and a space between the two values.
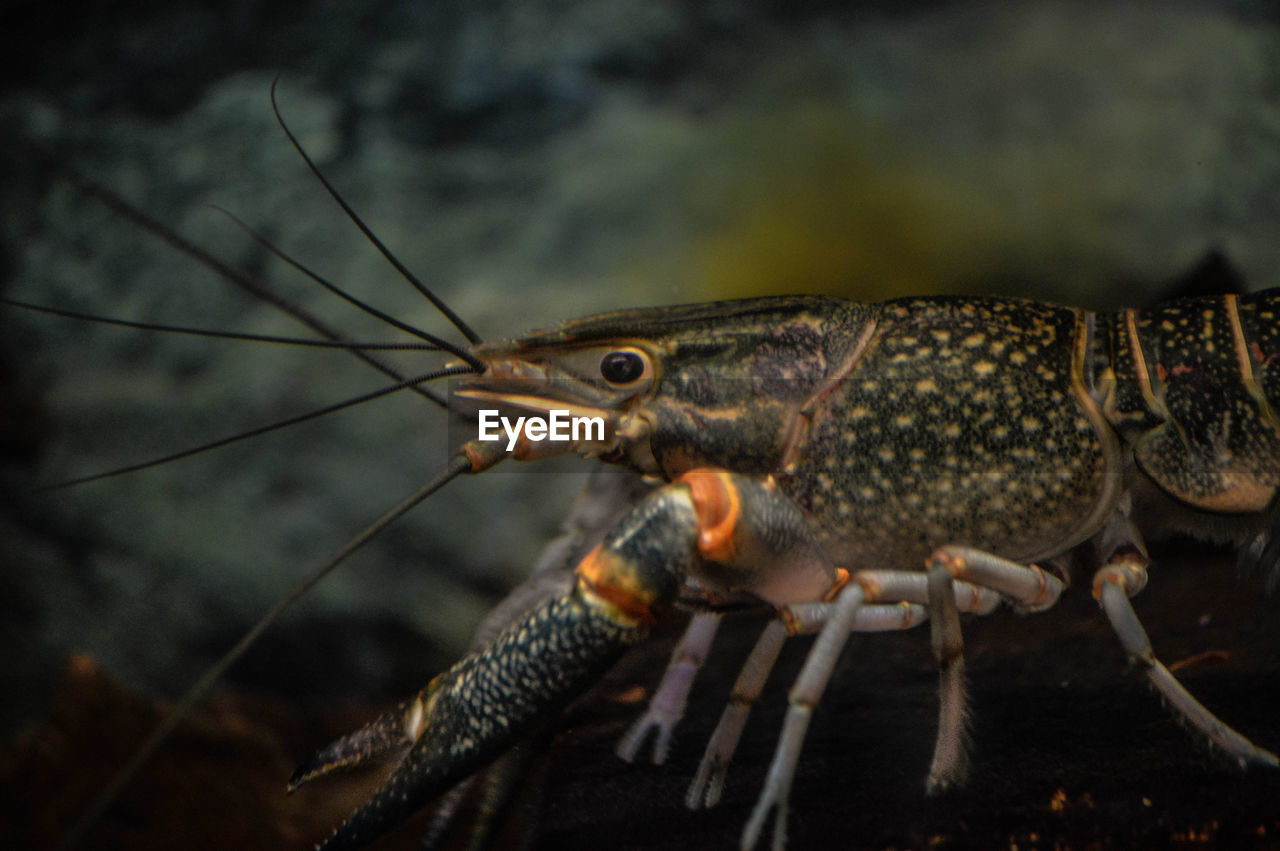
[857, 467]
[853, 467]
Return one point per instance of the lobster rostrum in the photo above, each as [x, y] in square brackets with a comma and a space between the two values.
[856, 467]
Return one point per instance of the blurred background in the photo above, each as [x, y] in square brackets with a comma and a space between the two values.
[531, 161]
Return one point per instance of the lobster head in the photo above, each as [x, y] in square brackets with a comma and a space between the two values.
[667, 389]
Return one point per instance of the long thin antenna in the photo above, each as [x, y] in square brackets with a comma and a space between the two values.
[343, 294]
[229, 273]
[260, 430]
[471, 335]
[219, 335]
[93, 813]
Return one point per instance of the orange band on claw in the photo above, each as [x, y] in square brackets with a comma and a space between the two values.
[609, 579]
[715, 501]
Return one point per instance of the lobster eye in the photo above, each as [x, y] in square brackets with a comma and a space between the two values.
[622, 367]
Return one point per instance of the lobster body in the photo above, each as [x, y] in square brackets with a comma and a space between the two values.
[1023, 408]
[980, 399]
[829, 457]
[1001, 422]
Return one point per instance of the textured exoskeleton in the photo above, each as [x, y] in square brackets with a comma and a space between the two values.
[858, 467]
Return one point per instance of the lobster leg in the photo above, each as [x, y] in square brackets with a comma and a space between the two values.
[950, 761]
[949, 569]
[1028, 587]
[1122, 576]
[804, 696]
[708, 783]
[667, 706]
[901, 593]
[802, 619]
[1123, 557]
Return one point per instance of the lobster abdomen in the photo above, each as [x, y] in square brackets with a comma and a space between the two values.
[1195, 392]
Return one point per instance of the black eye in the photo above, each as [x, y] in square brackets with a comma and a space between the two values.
[621, 367]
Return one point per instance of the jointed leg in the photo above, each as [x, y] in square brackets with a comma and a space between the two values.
[950, 752]
[724, 741]
[1123, 556]
[837, 621]
[1124, 575]
[1026, 586]
[899, 598]
[666, 707]
[805, 694]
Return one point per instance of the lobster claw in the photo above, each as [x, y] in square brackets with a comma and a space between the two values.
[470, 714]
[393, 733]
[486, 703]
[421, 770]
[738, 531]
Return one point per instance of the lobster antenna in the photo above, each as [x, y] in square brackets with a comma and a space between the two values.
[456, 320]
[338, 291]
[201, 688]
[227, 272]
[219, 335]
[260, 430]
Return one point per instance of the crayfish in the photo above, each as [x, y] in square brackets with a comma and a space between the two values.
[856, 467]
[851, 467]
